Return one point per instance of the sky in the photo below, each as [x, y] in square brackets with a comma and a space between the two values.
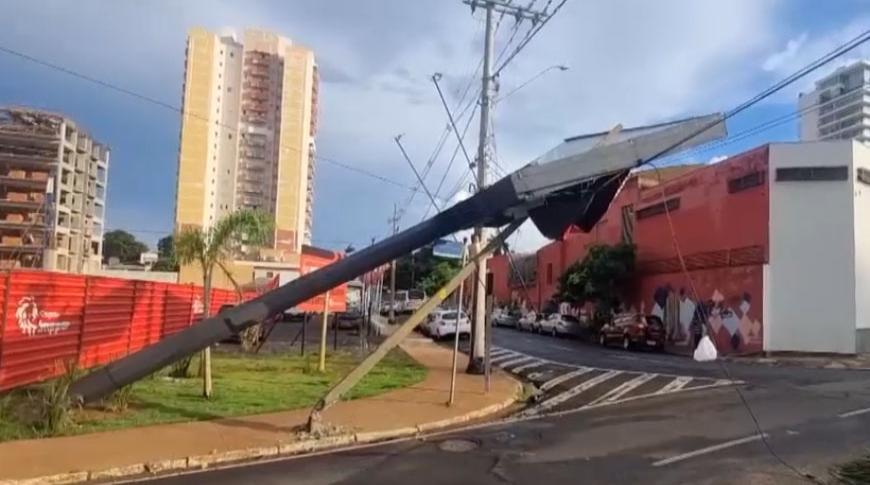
[630, 62]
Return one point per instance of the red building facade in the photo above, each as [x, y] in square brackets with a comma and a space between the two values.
[718, 223]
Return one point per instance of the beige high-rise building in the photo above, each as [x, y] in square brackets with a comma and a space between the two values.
[247, 141]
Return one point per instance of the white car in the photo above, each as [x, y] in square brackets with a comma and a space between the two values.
[528, 322]
[428, 327]
[446, 324]
[559, 325]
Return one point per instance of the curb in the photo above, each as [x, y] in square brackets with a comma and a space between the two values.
[298, 448]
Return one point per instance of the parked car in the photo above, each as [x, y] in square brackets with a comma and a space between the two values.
[415, 300]
[634, 330]
[349, 320]
[528, 322]
[427, 327]
[446, 325]
[559, 325]
[506, 318]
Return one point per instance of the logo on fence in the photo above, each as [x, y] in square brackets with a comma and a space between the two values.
[197, 307]
[33, 321]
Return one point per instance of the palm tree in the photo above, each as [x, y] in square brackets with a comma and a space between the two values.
[213, 247]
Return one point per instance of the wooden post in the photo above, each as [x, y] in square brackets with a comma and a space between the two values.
[487, 365]
[456, 335]
[321, 366]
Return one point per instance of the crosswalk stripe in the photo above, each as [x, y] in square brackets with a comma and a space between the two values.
[518, 360]
[564, 377]
[498, 351]
[528, 366]
[623, 389]
[675, 385]
[502, 357]
[574, 391]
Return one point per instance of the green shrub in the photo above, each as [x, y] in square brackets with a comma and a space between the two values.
[181, 368]
[54, 403]
[119, 401]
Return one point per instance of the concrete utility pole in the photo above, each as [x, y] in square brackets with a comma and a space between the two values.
[394, 221]
[480, 239]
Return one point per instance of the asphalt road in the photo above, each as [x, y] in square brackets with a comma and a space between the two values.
[811, 419]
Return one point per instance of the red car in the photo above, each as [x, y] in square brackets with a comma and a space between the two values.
[634, 331]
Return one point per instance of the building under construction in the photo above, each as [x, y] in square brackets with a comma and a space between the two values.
[52, 193]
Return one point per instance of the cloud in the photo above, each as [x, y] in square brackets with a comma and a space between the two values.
[777, 59]
[806, 48]
[667, 59]
[717, 159]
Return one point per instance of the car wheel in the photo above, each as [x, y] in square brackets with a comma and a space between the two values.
[626, 342]
[602, 339]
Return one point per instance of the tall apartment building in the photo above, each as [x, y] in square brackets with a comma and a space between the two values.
[247, 140]
[839, 107]
[52, 193]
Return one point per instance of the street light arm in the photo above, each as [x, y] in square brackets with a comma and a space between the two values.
[530, 80]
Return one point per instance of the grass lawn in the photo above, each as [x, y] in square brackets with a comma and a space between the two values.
[243, 384]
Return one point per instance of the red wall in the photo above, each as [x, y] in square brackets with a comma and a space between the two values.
[52, 319]
[722, 236]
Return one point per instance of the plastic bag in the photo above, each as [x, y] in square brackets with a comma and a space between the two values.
[706, 351]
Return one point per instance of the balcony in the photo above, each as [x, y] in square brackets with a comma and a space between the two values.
[84, 144]
[82, 160]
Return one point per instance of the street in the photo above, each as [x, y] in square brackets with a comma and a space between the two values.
[811, 418]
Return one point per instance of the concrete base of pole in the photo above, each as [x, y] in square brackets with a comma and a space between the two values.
[475, 366]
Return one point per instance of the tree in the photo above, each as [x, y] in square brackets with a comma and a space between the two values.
[212, 247]
[122, 245]
[599, 278]
[440, 274]
[166, 253]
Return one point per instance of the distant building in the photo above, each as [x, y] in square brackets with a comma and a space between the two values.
[839, 107]
[247, 140]
[52, 193]
[148, 258]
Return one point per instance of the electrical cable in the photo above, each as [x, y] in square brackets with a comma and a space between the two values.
[705, 318]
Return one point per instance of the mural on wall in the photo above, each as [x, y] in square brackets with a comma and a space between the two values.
[734, 323]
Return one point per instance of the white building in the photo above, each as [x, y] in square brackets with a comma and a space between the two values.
[817, 285]
[839, 107]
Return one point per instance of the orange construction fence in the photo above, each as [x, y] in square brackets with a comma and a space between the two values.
[50, 319]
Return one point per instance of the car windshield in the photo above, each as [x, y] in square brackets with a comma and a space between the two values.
[570, 318]
[452, 316]
[416, 295]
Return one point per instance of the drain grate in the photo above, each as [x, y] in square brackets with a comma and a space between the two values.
[458, 445]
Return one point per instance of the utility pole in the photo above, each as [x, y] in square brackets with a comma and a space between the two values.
[480, 238]
[394, 221]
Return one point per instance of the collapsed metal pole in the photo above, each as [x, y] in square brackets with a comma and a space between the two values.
[354, 376]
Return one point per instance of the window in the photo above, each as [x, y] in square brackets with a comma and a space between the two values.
[656, 209]
[229, 89]
[807, 174]
[863, 176]
[230, 136]
[745, 182]
[232, 54]
[628, 224]
[549, 273]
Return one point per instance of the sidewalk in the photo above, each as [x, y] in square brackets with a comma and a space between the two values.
[133, 451]
[809, 361]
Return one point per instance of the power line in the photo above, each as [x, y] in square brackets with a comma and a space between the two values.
[176, 109]
[530, 35]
